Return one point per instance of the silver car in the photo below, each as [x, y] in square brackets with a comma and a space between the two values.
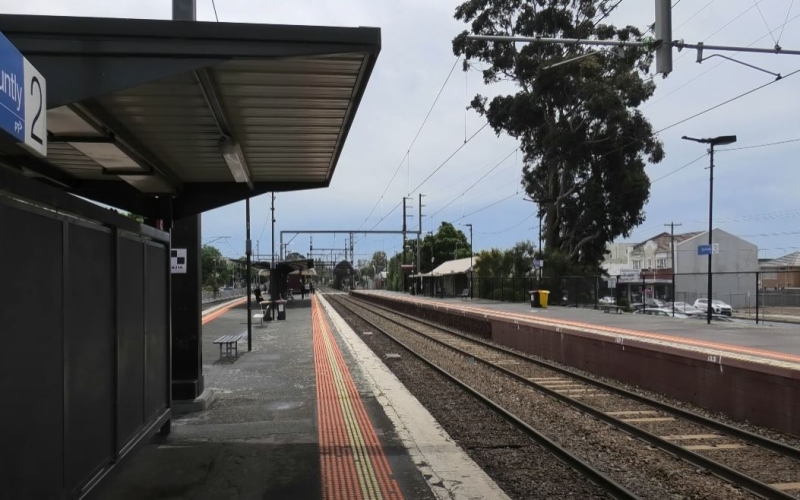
[687, 309]
[717, 306]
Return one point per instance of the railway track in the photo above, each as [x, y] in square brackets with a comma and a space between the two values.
[765, 468]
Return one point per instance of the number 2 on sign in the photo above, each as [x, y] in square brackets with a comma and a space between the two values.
[712, 359]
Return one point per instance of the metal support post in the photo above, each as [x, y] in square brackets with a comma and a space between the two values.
[273, 285]
[248, 248]
[757, 295]
[710, 231]
[672, 259]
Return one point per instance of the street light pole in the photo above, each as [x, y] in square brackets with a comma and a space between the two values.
[471, 272]
[715, 141]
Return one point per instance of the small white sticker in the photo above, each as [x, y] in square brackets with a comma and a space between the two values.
[178, 260]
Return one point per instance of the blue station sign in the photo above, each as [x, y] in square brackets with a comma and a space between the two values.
[23, 99]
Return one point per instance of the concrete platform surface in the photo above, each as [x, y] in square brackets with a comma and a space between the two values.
[774, 341]
[301, 416]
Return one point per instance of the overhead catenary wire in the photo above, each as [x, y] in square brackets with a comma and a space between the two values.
[474, 183]
[765, 22]
[650, 105]
[469, 139]
[788, 12]
[413, 141]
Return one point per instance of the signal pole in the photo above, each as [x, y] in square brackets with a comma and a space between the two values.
[672, 260]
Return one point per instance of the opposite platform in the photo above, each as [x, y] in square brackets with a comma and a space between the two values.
[720, 368]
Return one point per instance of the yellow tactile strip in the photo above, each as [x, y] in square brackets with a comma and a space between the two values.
[352, 460]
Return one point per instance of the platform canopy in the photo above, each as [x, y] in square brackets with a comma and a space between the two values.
[180, 117]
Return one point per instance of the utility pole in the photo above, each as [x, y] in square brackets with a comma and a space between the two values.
[403, 259]
[471, 294]
[672, 260]
[419, 247]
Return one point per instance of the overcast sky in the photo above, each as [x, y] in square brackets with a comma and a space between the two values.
[756, 190]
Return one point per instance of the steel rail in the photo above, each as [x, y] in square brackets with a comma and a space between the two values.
[722, 471]
[609, 485]
[764, 442]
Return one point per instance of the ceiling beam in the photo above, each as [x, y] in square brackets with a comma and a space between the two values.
[104, 122]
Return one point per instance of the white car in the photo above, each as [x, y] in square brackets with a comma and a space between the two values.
[717, 306]
[687, 309]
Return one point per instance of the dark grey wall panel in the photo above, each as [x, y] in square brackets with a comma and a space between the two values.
[89, 351]
[31, 430]
[157, 325]
[131, 339]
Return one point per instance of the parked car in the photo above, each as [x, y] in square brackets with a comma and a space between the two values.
[717, 306]
[607, 300]
[655, 303]
[660, 311]
[687, 309]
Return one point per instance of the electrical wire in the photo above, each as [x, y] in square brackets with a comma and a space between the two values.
[650, 105]
[448, 159]
[511, 227]
[474, 183]
[694, 15]
[765, 23]
[213, 4]
[413, 141]
[761, 145]
[486, 207]
[784, 22]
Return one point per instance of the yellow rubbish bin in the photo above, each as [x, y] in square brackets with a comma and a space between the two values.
[543, 294]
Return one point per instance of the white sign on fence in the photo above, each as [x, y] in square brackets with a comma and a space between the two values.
[178, 260]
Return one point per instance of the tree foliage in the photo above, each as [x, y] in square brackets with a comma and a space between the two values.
[516, 261]
[216, 268]
[584, 140]
[447, 243]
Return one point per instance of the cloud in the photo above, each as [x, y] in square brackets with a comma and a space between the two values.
[414, 61]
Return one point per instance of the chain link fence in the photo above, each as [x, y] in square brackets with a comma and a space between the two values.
[770, 296]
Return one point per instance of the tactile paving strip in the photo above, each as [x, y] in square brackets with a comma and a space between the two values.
[352, 460]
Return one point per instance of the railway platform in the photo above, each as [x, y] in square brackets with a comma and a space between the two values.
[749, 372]
[309, 413]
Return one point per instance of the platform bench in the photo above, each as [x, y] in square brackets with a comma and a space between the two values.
[231, 343]
[607, 308]
[465, 294]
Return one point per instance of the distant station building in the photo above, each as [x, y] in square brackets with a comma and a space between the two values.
[646, 271]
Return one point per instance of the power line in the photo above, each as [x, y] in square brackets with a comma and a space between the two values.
[761, 145]
[474, 183]
[511, 227]
[765, 22]
[716, 65]
[693, 15]
[712, 108]
[413, 141]
[215, 10]
[448, 158]
[459, 148]
[486, 207]
[784, 22]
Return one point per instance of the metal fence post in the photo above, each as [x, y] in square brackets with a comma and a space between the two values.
[757, 297]
[596, 290]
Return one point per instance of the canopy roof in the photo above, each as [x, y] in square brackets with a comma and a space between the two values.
[200, 114]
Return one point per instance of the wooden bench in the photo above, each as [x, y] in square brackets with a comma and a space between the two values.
[465, 294]
[231, 343]
[607, 308]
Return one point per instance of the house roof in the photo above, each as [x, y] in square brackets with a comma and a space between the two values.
[458, 266]
[789, 260]
[662, 240]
